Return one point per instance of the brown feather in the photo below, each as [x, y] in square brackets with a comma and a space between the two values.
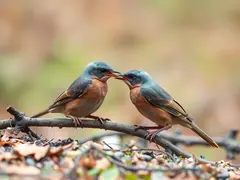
[175, 105]
[40, 113]
[63, 95]
[203, 135]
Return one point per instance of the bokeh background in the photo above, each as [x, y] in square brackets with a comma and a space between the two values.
[191, 48]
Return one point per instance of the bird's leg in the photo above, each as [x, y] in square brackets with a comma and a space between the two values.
[76, 120]
[100, 119]
[152, 135]
[146, 127]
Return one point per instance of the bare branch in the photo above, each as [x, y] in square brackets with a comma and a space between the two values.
[66, 122]
[228, 142]
[24, 122]
[21, 120]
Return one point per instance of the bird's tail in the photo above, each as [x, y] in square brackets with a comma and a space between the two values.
[40, 113]
[203, 135]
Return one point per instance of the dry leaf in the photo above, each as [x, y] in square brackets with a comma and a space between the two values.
[102, 164]
[67, 146]
[7, 156]
[20, 170]
[6, 143]
[38, 152]
[55, 151]
[67, 163]
[88, 162]
[10, 133]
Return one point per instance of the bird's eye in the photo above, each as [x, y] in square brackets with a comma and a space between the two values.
[131, 76]
[103, 70]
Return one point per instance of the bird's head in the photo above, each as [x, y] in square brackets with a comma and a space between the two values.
[135, 78]
[100, 71]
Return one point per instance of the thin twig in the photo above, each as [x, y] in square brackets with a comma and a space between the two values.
[135, 168]
[107, 145]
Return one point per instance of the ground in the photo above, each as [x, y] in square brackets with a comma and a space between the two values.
[97, 159]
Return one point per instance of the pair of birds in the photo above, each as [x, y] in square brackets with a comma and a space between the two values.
[86, 94]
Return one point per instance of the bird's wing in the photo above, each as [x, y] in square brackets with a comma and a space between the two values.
[158, 97]
[76, 89]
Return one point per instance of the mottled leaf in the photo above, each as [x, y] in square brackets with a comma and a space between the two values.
[111, 174]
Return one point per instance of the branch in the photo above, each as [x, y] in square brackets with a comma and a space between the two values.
[66, 122]
[21, 120]
[228, 142]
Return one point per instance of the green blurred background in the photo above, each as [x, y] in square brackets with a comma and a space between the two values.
[191, 48]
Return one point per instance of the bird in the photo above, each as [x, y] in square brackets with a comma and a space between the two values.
[156, 104]
[85, 95]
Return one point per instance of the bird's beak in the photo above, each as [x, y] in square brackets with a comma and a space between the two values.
[113, 73]
[121, 77]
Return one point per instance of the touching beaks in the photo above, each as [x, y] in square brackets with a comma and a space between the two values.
[121, 77]
[113, 73]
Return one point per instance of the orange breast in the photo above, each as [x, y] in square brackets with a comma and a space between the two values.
[89, 102]
[155, 114]
[96, 89]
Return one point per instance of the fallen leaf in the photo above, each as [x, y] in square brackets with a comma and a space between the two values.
[20, 170]
[11, 133]
[94, 172]
[7, 156]
[55, 151]
[73, 154]
[38, 152]
[130, 176]
[67, 163]
[6, 143]
[102, 164]
[111, 173]
[65, 147]
[88, 162]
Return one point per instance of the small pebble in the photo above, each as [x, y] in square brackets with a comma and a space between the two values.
[30, 161]
[145, 157]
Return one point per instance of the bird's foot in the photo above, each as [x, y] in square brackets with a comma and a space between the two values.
[100, 119]
[151, 135]
[76, 121]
